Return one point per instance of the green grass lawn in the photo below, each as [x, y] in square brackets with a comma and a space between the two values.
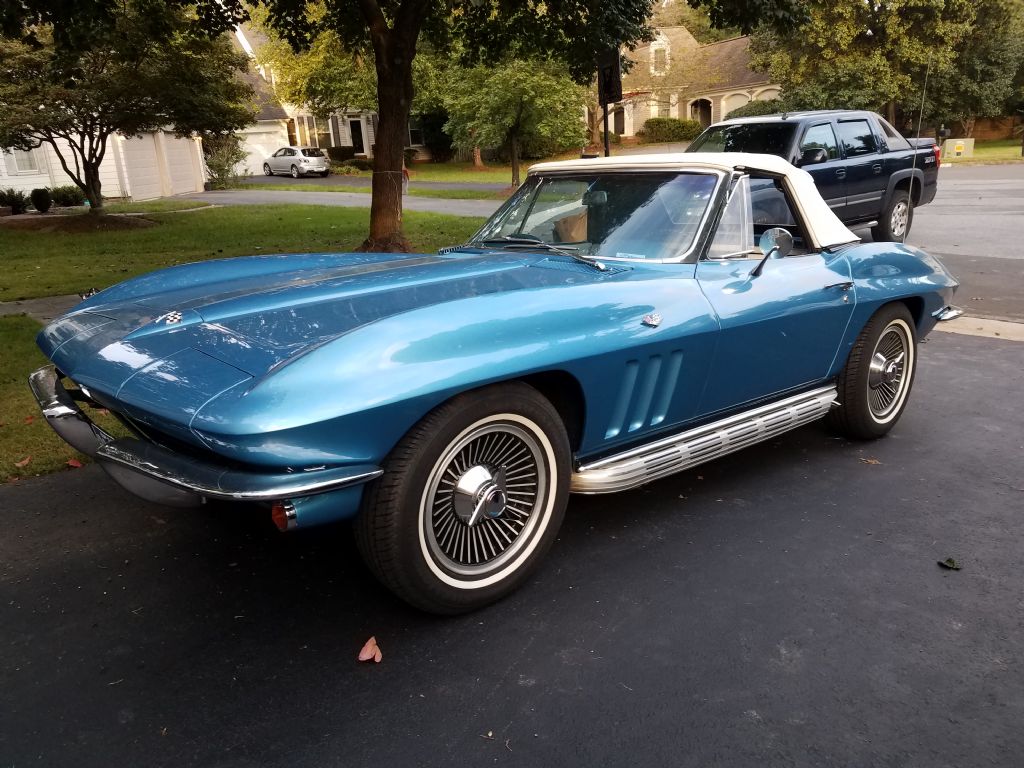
[52, 263]
[448, 194]
[25, 437]
[990, 152]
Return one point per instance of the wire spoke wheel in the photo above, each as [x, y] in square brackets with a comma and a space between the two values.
[874, 385]
[471, 499]
[482, 498]
[886, 373]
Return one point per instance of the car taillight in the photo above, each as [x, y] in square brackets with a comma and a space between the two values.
[938, 155]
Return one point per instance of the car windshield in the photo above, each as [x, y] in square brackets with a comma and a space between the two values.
[762, 138]
[646, 215]
[314, 152]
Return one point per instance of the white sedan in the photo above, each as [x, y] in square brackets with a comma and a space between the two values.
[297, 161]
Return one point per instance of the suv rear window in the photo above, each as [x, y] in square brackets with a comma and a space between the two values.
[765, 138]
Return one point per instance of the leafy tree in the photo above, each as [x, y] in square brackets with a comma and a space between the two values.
[144, 72]
[985, 78]
[514, 103]
[698, 23]
[863, 55]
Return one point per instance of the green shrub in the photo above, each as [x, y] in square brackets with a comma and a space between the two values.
[409, 155]
[613, 138]
[41, 199]
[15, 198]
[223, 154]
[341, 154]
[360, 163]
[663, 129]
[67, 196]
[755, 108]
[343, 169]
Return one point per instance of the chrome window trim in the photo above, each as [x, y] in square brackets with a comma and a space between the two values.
[701, 226]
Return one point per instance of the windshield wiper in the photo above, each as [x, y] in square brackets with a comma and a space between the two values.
[530, 242]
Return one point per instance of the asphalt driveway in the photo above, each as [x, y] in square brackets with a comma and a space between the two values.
[780, 607]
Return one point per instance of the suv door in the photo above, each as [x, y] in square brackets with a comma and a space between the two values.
[865, 180]
[830, 176]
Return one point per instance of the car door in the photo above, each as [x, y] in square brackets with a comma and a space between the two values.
[829, 176]
[779, 330]
[865, 177]
[275, 160]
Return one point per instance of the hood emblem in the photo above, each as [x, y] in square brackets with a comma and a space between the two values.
[169, 318]
[653, 320]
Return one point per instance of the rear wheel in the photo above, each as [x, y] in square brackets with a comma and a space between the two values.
[875, 384]
[470, 501]
[266, 170]
[894, 223]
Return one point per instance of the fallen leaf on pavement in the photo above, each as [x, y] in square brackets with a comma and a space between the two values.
[23, 463]
[950, 564]
[370, 651]
[870, 461]
[74, 463]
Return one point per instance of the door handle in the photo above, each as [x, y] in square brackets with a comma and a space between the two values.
[840, 173]
[877, 167]
[841, 286]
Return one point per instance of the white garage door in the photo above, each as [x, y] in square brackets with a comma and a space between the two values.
[142, 167]
[181, 165]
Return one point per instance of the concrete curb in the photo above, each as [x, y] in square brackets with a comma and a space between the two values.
[977, 326]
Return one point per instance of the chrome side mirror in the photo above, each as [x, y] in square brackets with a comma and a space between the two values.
[775, 243]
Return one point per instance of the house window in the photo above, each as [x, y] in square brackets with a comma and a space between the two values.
[415, 132]
[659, 61]
[20, 161]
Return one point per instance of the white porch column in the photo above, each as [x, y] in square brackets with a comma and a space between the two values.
[627, 119]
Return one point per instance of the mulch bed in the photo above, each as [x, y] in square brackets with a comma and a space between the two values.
[75, 223]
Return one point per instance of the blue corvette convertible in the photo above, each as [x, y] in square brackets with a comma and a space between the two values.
[617, 320]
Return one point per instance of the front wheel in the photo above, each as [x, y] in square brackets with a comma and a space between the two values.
[894, 224]
[470, 501]
[267, 170]
[875, 384]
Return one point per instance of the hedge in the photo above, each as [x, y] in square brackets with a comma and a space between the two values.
[663, 129]
[755, 108]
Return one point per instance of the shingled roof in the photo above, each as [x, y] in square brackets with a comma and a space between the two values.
[267, 104]
[726, 64]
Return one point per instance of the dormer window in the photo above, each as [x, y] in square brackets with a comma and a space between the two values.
[659, 56]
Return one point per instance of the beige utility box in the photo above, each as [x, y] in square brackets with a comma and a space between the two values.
[958, 148]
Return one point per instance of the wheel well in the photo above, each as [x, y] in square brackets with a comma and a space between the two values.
[911, 186]
[565, 393]
[915, 304]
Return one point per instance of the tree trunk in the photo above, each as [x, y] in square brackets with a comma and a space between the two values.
[595, 118]
[93, 187]
[394, 98]
[514, 142]
[890, 112]
[478, 160]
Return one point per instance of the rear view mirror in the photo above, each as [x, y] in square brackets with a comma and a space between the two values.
[813, 156]
[595, 198]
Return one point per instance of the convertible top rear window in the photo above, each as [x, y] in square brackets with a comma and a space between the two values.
[761, 138]
[650, 215]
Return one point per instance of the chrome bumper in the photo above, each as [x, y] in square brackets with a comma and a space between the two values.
[948, 312]
[166, 477]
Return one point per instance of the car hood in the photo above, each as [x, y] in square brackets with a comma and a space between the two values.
[212, 325]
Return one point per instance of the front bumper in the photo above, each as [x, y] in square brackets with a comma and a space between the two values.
[168, 477]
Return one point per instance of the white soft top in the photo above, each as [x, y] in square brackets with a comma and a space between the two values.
[826, 230]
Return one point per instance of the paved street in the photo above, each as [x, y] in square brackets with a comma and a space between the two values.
[779, 607]
[345, 200]
[335, 180]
